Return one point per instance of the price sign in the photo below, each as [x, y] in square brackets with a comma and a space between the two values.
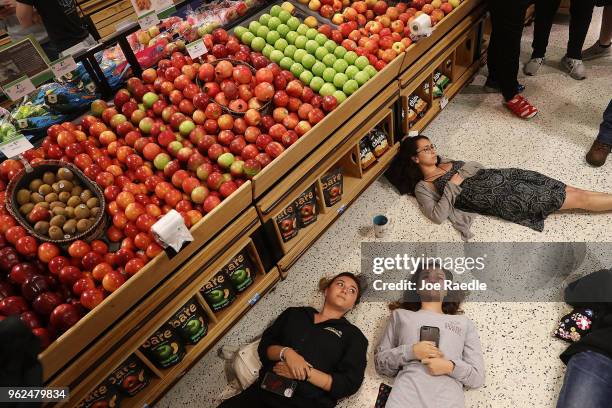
[413, 133]
[148, 20]
[19, 88]
[443, 102]
[15, 147]
[196, 49]
[63, 66]
[161, 5]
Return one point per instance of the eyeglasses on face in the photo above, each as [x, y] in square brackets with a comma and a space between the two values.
[427, 149]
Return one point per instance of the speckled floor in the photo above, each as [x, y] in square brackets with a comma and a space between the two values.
[523, 369]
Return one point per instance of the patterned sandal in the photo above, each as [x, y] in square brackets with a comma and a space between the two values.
[521, 107]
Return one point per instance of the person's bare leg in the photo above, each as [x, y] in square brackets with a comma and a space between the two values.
[605, 35]
[576, 198]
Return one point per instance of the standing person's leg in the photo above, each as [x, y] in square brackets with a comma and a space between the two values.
[581, 12]
[587, 382]
[603, 144]
[603, 47]
[544, 14]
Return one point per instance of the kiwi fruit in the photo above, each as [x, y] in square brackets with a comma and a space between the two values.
[55, 187]
[43, 204]
[36, 197]
[59, 211]
[73, 201]
[65, 185]
[48, 178]
[35, 184]
[65, 174]
[93, 202]
[69, 212]
[56, 204]
[45, 189]
[95, 211]
[70, 227]
[76, 191]
[55, 232]
[58, 220]
[51, 197]
[42, 227]
[64, 196]
[82, 211]
[26, 208]
[83, 225]
[86, 195]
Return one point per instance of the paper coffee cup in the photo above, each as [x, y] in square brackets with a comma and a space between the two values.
[380, 226]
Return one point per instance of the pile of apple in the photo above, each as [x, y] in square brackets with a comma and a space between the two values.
[326, 8]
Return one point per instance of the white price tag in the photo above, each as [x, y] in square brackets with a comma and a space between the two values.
[413, 133]
[15, 146]
[196, 49]
[148, 20]
[443, 102]
[63, 66]
[19, 88]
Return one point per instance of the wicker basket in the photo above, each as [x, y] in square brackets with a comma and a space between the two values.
[31, 172]
[264, 110]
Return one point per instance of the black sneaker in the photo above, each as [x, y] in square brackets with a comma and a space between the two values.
[493, 84]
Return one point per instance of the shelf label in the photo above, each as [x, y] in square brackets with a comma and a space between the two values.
[16, 146]
[443, 102]
[413, 133]
[171, 231]
[148, 20]
[19, 88]
[63, 66]
[341, 209]
[254, 299]
[196, 49]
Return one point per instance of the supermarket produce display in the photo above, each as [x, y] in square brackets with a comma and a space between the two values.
[259, 144]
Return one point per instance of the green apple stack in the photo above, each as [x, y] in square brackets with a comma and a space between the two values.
[317, 61]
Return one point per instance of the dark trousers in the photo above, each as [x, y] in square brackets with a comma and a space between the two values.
[507, 20]
[255, 397]
[605, 129]
[581, 12]
[587, 382]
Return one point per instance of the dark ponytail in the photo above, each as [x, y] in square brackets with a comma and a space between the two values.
[403, 172]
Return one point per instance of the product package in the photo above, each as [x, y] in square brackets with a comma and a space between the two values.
[332, 186]
[287, 223]
[104, 395]
[378, 141]
[218, 292]
[190, 322]
[130, 377]
[306, 205]
[240, 271]
[441, 81]
[365, 152]
[164, 347]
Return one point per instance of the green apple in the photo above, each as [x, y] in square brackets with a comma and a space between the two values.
[340, 96]
[299, 55]
[327, 89]
[247, 38]
[291, 37]
[301, 41]
[285, 63]
[329, 74]
[293, 23]
[276, 56]
[331, 46]
[275, 10]
[302, 28]
[370, 70]
[351, 71]
[290, 51]
[340, 65]
[320, 53]
[308, 61]
[339, 80]
[267, 50]
[329, 60]
[272, 37]
[238, 31]
[321, 39]
[362, 77]
[274, 23]
[362, 62]
[239, 276]
[258, 44]
[311, 46]
[265, 19]
[306, 77]
[296, 69]
[316, 83]
[284, 16]
[283, 29]
[340, 52]
[311, 33]
[253, 27]
[350, 87]
[281, 44]
[318, 68]
[193, 326]
[262, 31]
[351, 57]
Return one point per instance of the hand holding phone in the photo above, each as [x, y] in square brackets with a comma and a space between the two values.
[430, 333]
[279, 385]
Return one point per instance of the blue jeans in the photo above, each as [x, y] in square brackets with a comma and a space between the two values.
[605, 129]
[587, 382]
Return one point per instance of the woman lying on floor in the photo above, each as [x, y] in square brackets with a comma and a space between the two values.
[427, 375]
[455, 190]
[321, 353]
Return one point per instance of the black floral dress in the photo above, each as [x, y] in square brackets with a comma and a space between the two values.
[524, 197]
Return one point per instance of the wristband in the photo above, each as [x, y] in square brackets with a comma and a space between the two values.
[281, 355]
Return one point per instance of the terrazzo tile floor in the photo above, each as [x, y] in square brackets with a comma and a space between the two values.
[523, 368]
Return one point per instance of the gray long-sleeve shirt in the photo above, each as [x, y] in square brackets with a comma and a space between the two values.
[414, 387]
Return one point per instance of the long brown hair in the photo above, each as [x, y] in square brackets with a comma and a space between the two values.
[403, 172]
[451, 304]
[325, 282]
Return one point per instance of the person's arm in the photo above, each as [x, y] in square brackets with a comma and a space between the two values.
[437, 211]
[25, 14]
[348, 374]
[470, 369]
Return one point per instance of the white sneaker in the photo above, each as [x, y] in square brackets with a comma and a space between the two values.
[531, 67]
[574, 67]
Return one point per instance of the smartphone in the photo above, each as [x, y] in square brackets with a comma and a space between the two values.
[430, 333]
[279, 385]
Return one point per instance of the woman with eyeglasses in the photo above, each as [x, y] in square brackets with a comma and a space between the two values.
[429, 346]
[456, 190]
[319, 352]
